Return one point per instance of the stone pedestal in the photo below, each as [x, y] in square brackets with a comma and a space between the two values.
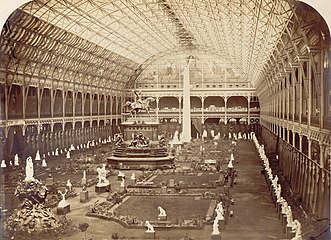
[132, 182]
[284, 221]
[102, 189]
[63, 209]
[84, 181]
[162, 218]
[49, 181]
[150, 235]
[164, 190]
[215, 237]
[83, 196]
[289, 233]
[171, 182]
[221, 224]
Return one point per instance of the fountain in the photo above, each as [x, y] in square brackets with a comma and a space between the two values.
[144, 150]
[32, 219]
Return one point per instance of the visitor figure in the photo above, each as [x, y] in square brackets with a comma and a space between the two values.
[29, 170]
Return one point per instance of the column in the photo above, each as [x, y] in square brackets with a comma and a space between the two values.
[249, 110]
[186, 123]
[203, 108]
[310, 92]
[157, 109]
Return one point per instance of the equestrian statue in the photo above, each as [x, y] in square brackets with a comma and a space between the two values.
[139, 105]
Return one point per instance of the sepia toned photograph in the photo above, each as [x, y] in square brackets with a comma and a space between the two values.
[165, 119]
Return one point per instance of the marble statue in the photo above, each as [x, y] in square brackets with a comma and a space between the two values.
[219, 211]
[72, 147]
[133, 176]
[44, 163]
[57, 152]
[122, 185]
[289, 216]
[81, 146]
[53, 153]
[239, 135]
[296, 227]
[68, 155]
[150, 228]
[29, 170]
[10, 163]
[230, 135]
[61, 151]
[3, 164]
[37, 158]
[69, 185]
[284, 207]
[278, 191]
[88, 145]
[102, 176]
[121, 174]
[162, 212]
[77, 147]
[204, 134]
[216, 230]
[231, 157]
[230, 165]
[84, 174]
[212, 133]
[63, 201]
[16, 160]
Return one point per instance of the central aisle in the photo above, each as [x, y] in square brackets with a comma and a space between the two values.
[255, 216]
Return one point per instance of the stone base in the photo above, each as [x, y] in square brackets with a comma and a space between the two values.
[84, 181]
[63, 210]
[289, 233]
[221, 224]
[164, 190]
[102, 189]
[215, 237]
[150, 235]
[162, 218]
[132, 182]
[83, 196]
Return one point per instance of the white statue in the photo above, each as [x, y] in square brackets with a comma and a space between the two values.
[122, 183]
[77, 147]
[68, 155]
[48, 154]
[72, 147]
[102, 176]
[150, 228]
[3, 164]
[212, 133]
[284, 207]
[216, 230]
[88, 145]
[219, 211]
[16, 160]
[69, 185]
[162, 211]
[44, 163]
[63, 201]
[53, 153]
[37, 158]
[121, 174]
[84, 174]
[231, 157]
[61, 151]
[296, 227]
[10, 163]
[29, 170]
[230, 165]
[230, 135]
[204, 134]
[133, 176]
[289, 216]
[57, 152]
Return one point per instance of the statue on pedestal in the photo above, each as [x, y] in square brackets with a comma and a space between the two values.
[16, 160]
[29, 170]
[63, 201]
[102, 176]
[139, 104]
[150, 228]
[162, 211]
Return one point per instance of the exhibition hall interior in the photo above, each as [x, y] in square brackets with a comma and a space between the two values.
[165, 119]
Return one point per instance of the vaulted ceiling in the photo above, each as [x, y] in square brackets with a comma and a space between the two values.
[115, 38]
